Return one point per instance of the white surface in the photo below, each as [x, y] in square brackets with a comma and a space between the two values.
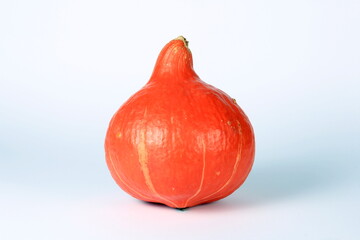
[66, 66]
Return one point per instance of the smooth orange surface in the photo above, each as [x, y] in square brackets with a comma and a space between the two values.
[179, 141]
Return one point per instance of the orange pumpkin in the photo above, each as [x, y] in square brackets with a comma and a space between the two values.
[179, 141]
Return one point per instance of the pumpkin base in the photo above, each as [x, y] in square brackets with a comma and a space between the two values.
[181, 209]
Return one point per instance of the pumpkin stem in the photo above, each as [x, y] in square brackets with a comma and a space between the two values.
[174, 62]
[186, 42]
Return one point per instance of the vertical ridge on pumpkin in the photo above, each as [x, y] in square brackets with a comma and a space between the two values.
[202, 174]
[235, 168]
[122, 180]
[143, 160]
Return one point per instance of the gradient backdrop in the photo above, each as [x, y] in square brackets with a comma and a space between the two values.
[66, 67]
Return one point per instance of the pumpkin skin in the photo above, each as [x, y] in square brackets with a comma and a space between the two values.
[179, 141]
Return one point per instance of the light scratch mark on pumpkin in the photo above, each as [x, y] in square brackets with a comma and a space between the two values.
[143, 160]
[202, 174]
[235, 168]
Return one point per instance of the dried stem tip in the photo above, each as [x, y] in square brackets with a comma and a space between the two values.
[186, 42]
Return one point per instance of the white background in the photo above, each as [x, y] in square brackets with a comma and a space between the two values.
[66, 67]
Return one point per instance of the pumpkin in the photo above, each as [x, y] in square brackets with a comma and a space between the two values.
[179, 141]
